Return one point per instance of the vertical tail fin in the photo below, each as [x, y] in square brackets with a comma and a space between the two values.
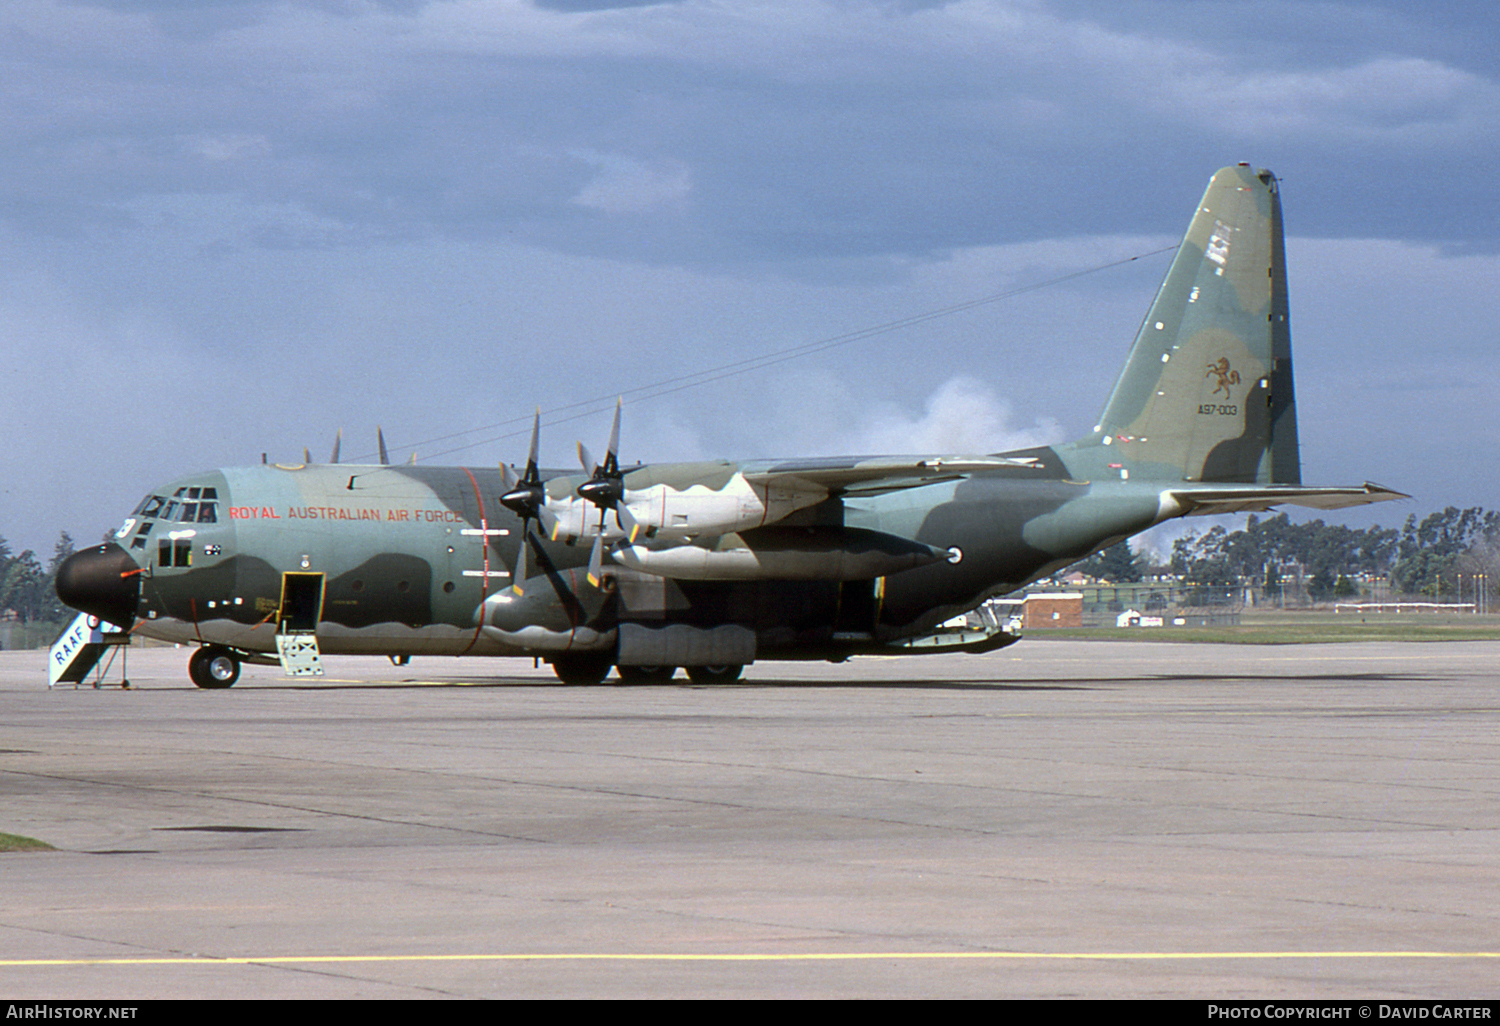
[1206, 394]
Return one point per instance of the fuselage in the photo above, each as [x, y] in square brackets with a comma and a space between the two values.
[408, 559]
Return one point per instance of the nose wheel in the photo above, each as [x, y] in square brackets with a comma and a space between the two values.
[212, 667]
[582, 667]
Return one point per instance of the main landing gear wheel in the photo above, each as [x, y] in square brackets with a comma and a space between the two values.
[213, 668]
[722, 674]
[645, 674]
[583, 668]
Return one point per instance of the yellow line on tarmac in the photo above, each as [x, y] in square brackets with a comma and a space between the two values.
[833, 956]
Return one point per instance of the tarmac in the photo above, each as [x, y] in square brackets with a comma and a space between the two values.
[1059, 819]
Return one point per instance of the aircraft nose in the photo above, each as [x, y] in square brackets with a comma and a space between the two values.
[102, 581]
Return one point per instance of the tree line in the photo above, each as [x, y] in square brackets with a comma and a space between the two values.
[1444, 555]
[27, 594]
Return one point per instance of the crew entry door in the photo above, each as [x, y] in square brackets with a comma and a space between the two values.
[297, 624]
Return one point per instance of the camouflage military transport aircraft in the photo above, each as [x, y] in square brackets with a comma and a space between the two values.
[709, 566]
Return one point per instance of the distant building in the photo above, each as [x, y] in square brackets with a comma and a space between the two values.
[1054, 609]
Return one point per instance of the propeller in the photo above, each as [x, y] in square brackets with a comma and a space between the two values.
[527, 499]
[380, 441]
[606, 489]
[338, 443]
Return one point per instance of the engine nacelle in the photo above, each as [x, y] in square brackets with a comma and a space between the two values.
[688, 507]
[543, 620]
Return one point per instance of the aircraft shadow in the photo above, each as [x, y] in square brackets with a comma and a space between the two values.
[907, 684]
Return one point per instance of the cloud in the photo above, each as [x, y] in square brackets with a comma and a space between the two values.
[816, 414]
[703, 134]
[1386, 101]
[574, 6]
[627, 186]
[962, 416]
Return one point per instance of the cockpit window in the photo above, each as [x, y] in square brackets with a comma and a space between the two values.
[186, 506]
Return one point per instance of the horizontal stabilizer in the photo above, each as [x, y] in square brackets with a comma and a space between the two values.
[1198, 502]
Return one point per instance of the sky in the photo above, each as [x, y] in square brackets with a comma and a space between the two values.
[235, 227]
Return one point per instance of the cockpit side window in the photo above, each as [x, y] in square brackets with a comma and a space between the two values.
[174, 552]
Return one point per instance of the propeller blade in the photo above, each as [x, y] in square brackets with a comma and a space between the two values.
[536, 434]
[605, 487]
[628, 523]
[611, 455]
[526, 497]
[587, 459]
[380, 440]
[518, 578]
[338, 441]
[596, 558]
[306, 455]
[548, 520]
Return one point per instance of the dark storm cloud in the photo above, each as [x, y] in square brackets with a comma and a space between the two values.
[700, 134]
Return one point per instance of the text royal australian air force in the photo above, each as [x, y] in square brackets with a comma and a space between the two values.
[345, 513]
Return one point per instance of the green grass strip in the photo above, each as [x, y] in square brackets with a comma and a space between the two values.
[15, 842]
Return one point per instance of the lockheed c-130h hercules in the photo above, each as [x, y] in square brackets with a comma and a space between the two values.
[711, 565]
